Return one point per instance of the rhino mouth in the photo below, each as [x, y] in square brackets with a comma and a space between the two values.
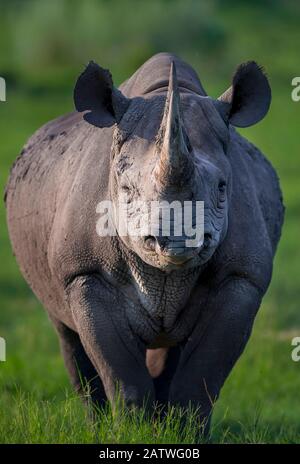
[176, 254]
[172, 254]
[173, 259]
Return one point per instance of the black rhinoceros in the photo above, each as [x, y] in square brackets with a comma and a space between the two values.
[147, 315]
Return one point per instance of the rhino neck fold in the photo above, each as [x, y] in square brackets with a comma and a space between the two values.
[162, 294]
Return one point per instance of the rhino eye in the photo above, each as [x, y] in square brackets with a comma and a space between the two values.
[127, 193]
[222, 186]
[125, 188]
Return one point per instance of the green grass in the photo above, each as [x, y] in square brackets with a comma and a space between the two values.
[67, 420]
[259, 402]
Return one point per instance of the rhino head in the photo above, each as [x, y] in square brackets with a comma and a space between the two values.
[172, 145]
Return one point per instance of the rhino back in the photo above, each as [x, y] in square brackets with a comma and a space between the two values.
[153, 76]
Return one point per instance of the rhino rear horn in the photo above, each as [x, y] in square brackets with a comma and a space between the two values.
[95, 94]
[248, 99]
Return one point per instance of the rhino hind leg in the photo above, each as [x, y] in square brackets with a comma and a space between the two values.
[83, 375]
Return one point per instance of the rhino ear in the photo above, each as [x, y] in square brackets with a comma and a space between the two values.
[95, 94]
[248, 99]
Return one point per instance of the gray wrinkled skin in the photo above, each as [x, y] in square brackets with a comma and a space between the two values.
[167, 324]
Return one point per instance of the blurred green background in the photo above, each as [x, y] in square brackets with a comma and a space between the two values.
[44, 45]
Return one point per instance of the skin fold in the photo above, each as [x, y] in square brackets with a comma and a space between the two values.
[163, 322]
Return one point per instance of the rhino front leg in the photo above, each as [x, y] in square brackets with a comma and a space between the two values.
[214, 346]
[82, 373]
[118, 357]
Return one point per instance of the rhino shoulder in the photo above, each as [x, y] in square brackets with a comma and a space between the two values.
[266, 187]
[54, 133]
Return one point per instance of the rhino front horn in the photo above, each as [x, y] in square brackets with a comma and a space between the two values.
[175, 165]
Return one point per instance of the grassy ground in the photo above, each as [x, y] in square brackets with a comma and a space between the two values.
[259, 402]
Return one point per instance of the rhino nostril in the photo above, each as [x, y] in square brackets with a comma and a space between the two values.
[150, 242]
